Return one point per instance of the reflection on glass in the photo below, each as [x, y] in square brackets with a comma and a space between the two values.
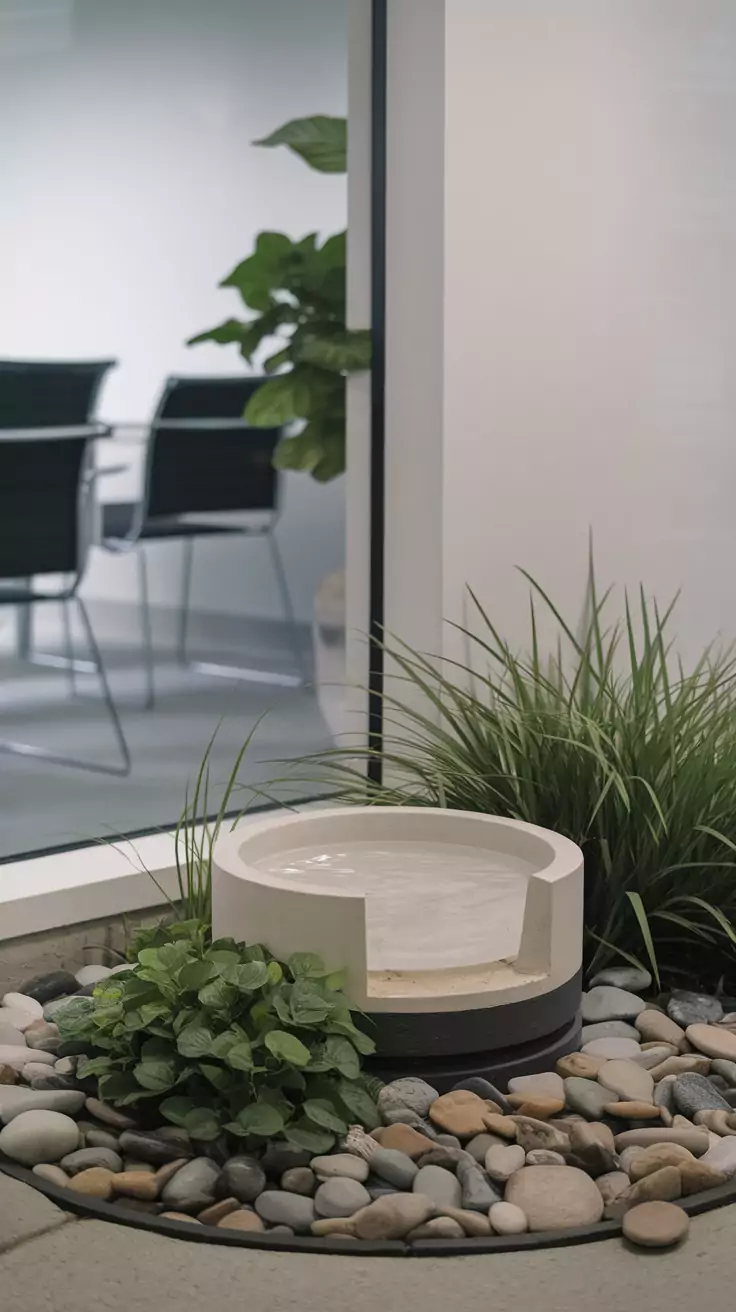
[209, 514]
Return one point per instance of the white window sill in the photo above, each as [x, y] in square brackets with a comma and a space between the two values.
[90, 883]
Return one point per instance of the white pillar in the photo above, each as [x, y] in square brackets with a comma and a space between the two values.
[561, 319]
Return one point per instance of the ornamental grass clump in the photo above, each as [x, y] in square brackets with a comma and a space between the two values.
[611, 742]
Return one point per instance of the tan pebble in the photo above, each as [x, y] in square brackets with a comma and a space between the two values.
[96, 1182]
[695, 1064]
[503, 1126]
[696, 1141]
[378, 1133]
[666, 1117]
[580, 1064]
[713, 1041]
[612, 1184]
[631, 1082]
[179, 1216]
[659, 1046]
[544, 1157]
[654, 1026]
[532, 1134]
[8, 1074]
[664, 1186]
[440, 1227]
[720, 1122]
[334, 1225]
[461, 1113]
[696, 1177]
[241, 1220]
[393, 1216]
[54, 1174]
[555, 1198]
[627, 1157]
[501, 1163]
[538, 1108]
[656, 1225]
[475, 1225]
[600, 1131]
[405, 1139]
[130, 1164]
[214, 1214]
[137, 1184]
[657, 1156]
[633, 1111]
[167, 1172]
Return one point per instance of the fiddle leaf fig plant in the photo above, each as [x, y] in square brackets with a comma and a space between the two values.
[296, 292]
[223, 1038]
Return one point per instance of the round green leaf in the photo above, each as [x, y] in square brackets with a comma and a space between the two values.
[253, 975]
[305, 1135]
[324, 1114]
[202, 1123]
[196, 974]
[195, 1041]
[342, 1055]
[286, 1047]
[240, 1056]
[176, 1110]
[261, 1119]
[158, 1076]
[360, 1104]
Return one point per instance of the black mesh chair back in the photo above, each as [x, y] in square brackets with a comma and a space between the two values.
[47, 394]
[202, 455]
[40, 505]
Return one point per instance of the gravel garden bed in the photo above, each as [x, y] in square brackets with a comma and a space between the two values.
[632, 1133]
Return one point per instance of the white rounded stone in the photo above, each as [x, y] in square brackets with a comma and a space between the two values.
[91, 975]
[18, 1057]
[39, 1136]
[507, 1219]
[19, 1001]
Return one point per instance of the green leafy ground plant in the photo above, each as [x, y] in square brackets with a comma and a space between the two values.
[296, 291]
[222, 1038]
[611, 742]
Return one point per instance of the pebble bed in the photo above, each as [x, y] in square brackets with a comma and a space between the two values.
[629, 1129]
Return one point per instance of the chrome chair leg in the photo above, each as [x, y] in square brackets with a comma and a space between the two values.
[69, 646]
[107, 694]
[40, 753]
[186, 592]
[235, 672]
[146, 629]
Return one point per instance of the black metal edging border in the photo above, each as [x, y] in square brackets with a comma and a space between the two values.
[379, 62]
[97, 1210]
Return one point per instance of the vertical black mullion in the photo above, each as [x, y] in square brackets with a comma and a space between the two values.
[378, 379]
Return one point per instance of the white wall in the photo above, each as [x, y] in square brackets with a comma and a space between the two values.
[589, 284]
[130, 188]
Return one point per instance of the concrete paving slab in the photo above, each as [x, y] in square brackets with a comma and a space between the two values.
[92, 1264]
[25, 1213]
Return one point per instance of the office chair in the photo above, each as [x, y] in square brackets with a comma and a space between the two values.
[203, 460]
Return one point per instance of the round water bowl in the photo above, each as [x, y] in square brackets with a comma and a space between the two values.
[461, 934]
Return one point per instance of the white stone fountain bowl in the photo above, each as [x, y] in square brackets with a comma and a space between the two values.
[425, 909]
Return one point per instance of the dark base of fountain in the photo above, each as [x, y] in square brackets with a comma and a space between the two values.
[494, 1043]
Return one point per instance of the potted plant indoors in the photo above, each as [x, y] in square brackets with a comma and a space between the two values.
[295, 292]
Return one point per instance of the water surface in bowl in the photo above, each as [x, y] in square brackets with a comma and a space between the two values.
[429, 906]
